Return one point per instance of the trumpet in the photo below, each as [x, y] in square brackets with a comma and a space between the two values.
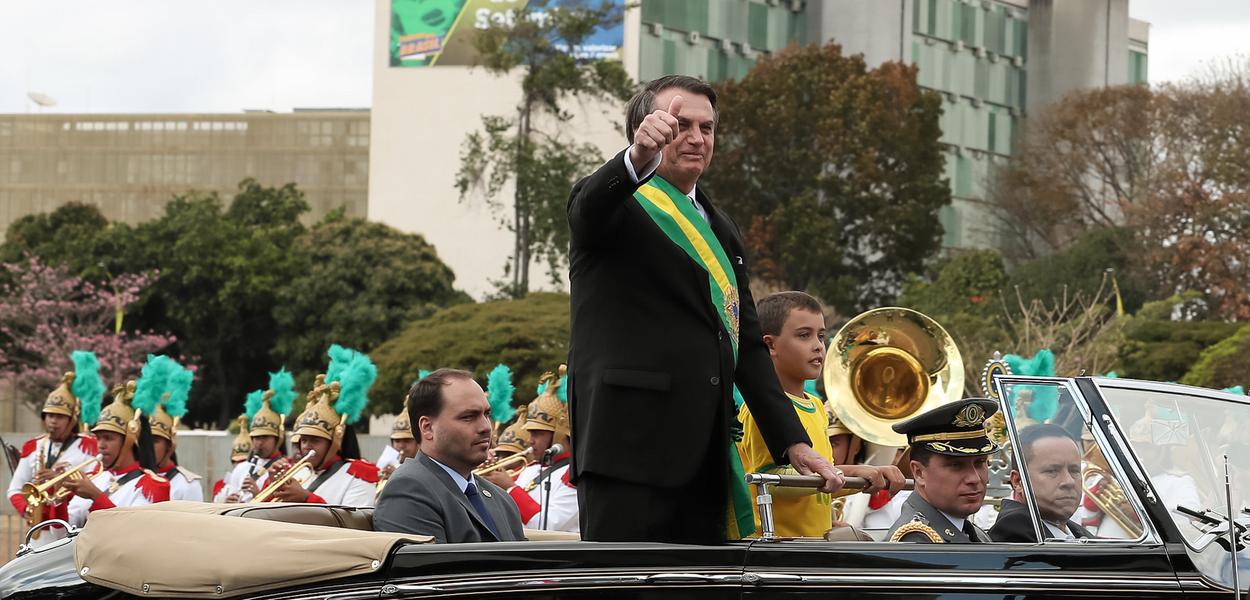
[513, 464]
[385, 477]
[301, 472]
[47, 493]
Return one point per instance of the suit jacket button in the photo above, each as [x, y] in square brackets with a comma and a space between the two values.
[715, 381]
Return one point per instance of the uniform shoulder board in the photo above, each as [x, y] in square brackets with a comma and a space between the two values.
[916, 531]
[29, 447]
[188, 474]
[363, 470]
[154, 487]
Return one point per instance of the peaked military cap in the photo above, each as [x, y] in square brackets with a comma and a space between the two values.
[954, 429]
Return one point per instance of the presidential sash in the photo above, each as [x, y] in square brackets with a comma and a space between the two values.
[676, 216]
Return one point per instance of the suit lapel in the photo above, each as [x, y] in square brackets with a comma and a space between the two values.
[457, 494]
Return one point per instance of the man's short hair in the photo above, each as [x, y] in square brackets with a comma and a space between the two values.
[425, 397]
[774, 309]
[1031, 434]
[643, 103]
[921, 454]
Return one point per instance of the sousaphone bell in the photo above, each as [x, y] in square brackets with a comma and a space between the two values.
[887, 365]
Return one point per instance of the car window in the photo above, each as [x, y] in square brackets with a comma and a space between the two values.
[1058, 476]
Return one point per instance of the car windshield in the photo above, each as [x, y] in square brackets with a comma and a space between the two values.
[1181, 440]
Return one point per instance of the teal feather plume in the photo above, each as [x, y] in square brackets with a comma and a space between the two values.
[809, 386]
[1045, 398]
[499, 390]
[255, 400]
[179, 391]
[1236, 389]
[88, 387]
[355, 374]
[282, 384]
[562, 392]
[154, 380]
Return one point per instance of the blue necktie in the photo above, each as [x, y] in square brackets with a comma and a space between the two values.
[480, 507]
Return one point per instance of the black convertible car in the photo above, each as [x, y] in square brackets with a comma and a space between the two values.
[1154, 497]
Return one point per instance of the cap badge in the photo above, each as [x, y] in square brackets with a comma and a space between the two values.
[970, 416]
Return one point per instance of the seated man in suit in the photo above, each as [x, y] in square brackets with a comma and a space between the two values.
[437, 493]
[1054, 468]
[950, 464]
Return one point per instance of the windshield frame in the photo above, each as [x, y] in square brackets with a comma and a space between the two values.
[1003, 385]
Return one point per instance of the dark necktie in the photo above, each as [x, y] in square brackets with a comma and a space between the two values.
[479, 507]
[971, 531]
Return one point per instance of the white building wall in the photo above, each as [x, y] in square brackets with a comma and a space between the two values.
[420, 118]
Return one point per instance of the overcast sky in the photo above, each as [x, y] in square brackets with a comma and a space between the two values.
[228, 55]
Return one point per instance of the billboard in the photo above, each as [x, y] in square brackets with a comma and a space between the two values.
[427, 33]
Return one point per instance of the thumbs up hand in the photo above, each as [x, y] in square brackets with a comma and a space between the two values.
[657, 130]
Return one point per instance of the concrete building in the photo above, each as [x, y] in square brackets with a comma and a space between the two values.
[129, 165]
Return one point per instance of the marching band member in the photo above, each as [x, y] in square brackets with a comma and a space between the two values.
[793, 326]
[126, 455]
[266, 412]
[74, 404]
[950, 452]
[337, 473]
[403, 444]
[542, 491]
[240, 449]
[515, 438]
[183, 484]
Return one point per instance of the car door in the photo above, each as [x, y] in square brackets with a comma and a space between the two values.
[1133, 565]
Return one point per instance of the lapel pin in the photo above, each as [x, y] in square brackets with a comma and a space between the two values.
[950, 533]
[486, 493]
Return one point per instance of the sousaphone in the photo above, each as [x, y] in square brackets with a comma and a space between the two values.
[887, 365]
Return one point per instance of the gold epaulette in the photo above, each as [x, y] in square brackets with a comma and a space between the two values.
[919, 527]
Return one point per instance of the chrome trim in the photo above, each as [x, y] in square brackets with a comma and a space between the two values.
[533, 581]
[966, 580]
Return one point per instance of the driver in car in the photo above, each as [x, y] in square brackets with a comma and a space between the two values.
[950, 464]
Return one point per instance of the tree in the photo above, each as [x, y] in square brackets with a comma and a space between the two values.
[361, 283]
[836, 169]
[530, 335]
[527, 149]
[1167, 164]
[47, 312]
[1158, 348]
[222, 272]
[1223, 365]
[76, 235]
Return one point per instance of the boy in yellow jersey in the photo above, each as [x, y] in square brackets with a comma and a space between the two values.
[793, 324]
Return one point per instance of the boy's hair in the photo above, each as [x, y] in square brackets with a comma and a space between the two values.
[774, 309]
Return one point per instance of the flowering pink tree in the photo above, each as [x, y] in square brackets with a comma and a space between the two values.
[46, 312]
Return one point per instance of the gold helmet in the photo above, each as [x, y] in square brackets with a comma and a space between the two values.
[61, 401]
[339, 397]
[242, 445]
[549, 412]
[401, 429]
[515, 438]
[267, 409]
[118, 417]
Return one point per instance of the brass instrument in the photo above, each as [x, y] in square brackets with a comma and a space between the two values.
[889, 364]
[47, 493]
[384, 477]
[517, 462]
[1109, 497]
[301, 471]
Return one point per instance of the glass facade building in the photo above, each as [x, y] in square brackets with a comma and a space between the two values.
[975, 53]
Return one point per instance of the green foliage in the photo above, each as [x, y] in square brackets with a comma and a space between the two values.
[74, 234]
[835, 172]
[360, 282]
[1162, 350]
[1224, 365]
[968, 282]
[1081, 268]
[527, 149]
[528, 334]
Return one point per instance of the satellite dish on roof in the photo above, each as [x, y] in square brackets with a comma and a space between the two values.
[41, 99]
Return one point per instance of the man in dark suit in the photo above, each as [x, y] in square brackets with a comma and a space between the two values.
[663, 328]
[437, 494]
[1053, 461]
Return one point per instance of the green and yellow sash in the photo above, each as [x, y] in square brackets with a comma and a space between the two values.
[676, 216]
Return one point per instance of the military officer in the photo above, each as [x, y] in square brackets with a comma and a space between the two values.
[950, 463]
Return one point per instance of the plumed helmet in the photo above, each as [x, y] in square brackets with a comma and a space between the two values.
[241, 447]
[549, 411]
[515, 438]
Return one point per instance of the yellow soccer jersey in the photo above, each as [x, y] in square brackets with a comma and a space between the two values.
[802, 512]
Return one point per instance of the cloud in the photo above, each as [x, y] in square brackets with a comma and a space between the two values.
[207, 56]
